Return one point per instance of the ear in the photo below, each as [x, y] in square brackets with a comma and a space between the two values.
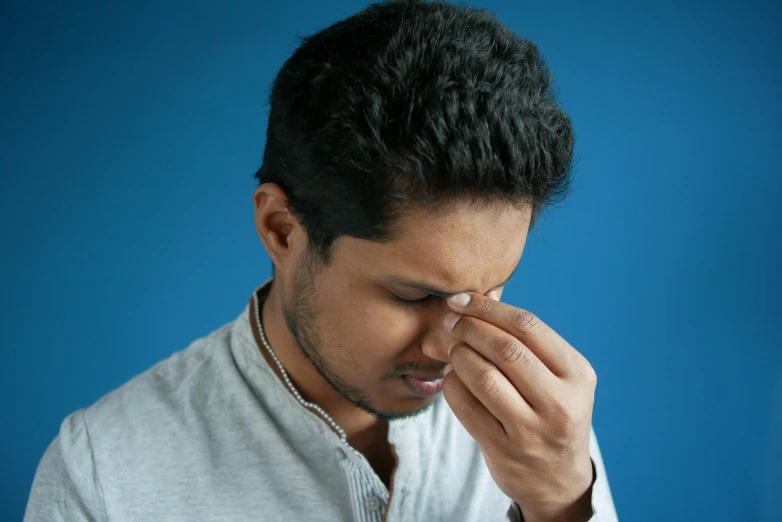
[279, 231]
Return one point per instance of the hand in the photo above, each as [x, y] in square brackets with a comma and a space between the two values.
[526, 396]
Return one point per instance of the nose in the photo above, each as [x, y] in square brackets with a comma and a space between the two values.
[436, 342]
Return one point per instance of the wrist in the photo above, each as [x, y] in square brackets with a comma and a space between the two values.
[577, 510]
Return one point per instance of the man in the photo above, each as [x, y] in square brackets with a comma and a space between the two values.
[377, 375]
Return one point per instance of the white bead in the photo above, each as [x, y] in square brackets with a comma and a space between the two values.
[378, 484]
[287, 380]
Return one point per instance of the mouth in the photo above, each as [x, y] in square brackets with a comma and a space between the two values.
[424, 386]
[425, 377]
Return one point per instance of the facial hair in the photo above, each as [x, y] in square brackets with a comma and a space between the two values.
[301, 318]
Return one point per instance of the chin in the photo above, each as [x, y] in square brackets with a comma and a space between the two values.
[398, 408]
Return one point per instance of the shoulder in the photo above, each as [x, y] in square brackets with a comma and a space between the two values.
[96, 444]
[153, 405]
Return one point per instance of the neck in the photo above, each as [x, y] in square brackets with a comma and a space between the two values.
[362, 428]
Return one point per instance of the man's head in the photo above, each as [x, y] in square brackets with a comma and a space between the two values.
[411, 141]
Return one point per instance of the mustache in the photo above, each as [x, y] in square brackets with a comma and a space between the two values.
[415, 367]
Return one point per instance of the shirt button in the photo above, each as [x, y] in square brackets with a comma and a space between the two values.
[374, 503]
[341, 455]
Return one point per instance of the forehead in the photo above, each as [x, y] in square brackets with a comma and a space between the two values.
[462, 247]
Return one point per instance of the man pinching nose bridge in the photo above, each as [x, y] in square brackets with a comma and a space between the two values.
[377, 375]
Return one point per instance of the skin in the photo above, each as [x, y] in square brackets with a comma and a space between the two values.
[526, 397]
[346, 318]
[345, 342]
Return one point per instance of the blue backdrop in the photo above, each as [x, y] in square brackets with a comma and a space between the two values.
[130, 134]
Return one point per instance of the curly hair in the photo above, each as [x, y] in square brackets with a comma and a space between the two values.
[408, 105]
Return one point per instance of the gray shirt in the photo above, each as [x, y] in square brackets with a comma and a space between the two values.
[211, 433]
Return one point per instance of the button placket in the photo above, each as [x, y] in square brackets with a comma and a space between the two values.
[374, 503]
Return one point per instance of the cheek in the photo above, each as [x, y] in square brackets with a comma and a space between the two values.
[383, 329]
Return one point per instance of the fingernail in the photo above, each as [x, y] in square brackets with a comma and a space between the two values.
[447, 369]
[460, 300]
[450, 320]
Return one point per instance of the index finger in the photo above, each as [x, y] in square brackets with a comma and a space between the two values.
[552, 350]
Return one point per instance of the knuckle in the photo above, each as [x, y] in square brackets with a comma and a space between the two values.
[468, 409]
[525, 321]
[456, 350]
[590, 376]
[467, 325]
[513, 352]
[486, 306]
[487, 384]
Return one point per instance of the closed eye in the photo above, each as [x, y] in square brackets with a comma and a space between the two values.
[422, 301]
[411, 302]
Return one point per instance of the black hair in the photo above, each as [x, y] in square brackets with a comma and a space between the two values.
[409, 105]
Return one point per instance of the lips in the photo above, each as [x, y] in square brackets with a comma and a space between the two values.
[424, 377]
[424, 387]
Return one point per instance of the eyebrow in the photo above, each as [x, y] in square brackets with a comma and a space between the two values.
[427, 289]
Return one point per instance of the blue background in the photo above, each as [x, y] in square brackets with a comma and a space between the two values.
[130, 134]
